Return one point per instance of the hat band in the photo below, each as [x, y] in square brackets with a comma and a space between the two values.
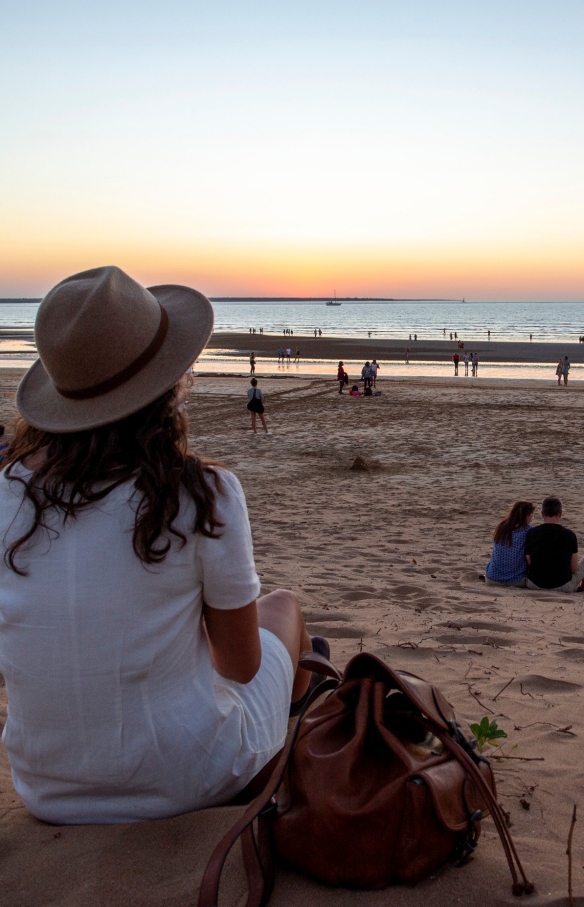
[104, 387]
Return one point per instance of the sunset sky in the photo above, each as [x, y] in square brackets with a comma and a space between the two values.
[376, 148]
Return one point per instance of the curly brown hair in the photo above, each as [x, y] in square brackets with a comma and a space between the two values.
[149, 448]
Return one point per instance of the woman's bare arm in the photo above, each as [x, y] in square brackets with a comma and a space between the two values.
[234, 640]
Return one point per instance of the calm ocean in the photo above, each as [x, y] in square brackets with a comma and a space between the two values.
[561, 322]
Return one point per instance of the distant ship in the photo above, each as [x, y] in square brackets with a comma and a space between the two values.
[331, 302]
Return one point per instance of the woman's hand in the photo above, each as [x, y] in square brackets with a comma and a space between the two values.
[234, 640]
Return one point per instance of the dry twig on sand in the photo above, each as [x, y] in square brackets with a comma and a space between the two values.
[569, 853]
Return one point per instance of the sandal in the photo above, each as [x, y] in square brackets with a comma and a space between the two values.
[320, 646]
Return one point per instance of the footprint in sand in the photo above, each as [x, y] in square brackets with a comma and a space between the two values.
[335, 625]
[572, 655]
[332, 630]
[360, 595]
[483, 625]
[479, 639]
[539, 683]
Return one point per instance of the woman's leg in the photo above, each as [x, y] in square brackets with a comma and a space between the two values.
[279, 612]
[263, 418]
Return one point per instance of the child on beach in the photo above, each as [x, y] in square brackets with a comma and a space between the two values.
[508, 566]
[255, 405]
[355, 392]
[342, 377]
[145, 676]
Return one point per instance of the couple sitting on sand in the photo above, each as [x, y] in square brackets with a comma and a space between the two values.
[542, 557]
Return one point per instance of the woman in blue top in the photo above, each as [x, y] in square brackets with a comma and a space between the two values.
[508, 566]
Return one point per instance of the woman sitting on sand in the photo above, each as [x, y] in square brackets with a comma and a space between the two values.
[145, 677]
[508, 566]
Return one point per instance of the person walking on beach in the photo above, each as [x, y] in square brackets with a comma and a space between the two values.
[374, 368]
[255, 405]
[297, 356]
[476, 365]
[408, 355]
[559, 370]
[466, 365]
[252, 363]
[565, 369]
[288, 354]
[342, 377]
[456, 359]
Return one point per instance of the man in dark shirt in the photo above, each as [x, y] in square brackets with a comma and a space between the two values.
[551, 551]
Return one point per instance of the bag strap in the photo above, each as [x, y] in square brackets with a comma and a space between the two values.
[257, 847]
[460, 751]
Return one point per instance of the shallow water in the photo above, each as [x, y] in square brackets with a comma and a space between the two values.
[547, 322]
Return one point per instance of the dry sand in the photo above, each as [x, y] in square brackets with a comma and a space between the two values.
[386, 559]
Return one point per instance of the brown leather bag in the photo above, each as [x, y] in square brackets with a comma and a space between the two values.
[376, 785]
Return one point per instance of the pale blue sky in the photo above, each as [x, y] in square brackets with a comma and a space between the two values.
[381, 125]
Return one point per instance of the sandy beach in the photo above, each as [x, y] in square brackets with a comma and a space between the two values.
[388, 560]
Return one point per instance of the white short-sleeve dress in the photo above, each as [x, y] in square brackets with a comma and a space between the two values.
[115, 712]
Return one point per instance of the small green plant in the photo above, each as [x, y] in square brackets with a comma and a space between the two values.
[487, 732]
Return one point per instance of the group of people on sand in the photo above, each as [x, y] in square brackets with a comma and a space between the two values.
[562, 369]
[368, 376]
[535, 557]
[285, 353]
[469, 360]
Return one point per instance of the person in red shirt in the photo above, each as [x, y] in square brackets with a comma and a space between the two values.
[456, 359]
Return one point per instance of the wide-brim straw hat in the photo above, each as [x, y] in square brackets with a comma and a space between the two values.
[108, 347]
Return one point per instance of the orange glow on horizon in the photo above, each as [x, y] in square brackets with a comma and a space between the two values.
[535, 272]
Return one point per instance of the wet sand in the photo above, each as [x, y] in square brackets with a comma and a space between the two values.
[335, 348]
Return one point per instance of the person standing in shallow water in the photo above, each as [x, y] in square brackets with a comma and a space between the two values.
[252, 363]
